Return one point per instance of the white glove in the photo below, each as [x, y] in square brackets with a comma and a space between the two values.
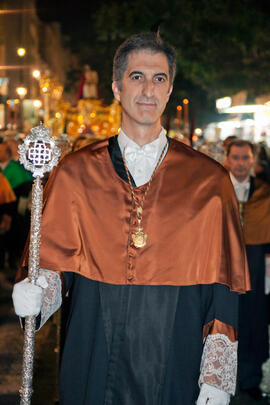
[212, 396]
[267, 285]
[267, 274]
[28, 297]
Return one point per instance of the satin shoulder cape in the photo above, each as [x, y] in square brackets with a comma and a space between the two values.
[257, 215]
[190, 216]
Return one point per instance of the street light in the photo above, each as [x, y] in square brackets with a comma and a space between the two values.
[36, 74]
[179, 109]
[37, 103]
[185, 108]
[21, 91]
[21, 52]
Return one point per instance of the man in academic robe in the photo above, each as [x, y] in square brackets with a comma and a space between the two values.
[144, 233]
[254, 204]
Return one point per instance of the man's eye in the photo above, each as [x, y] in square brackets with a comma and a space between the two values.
[136, 77]
[160, 79]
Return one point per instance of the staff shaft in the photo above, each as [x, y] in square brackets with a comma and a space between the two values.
[33, 269]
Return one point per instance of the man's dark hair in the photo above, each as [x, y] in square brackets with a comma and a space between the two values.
[141, 42]
[240, 143]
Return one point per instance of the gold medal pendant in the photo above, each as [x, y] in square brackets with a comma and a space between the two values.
[139, 238]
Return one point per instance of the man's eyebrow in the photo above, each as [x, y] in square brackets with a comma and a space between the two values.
[161, 74]
[135, 72]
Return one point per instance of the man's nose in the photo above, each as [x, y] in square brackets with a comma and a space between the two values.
[148, 88]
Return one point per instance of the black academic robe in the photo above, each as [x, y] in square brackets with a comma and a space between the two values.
[253, 317]
[137, 345]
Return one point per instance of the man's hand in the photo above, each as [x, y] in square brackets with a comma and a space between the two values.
[27, 297]
[267, 274]
[210, 395]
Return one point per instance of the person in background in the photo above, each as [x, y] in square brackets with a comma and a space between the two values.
[20, 181]
[253, 196]
[7, 210]
[144, 232]
[262, 166]
[13, 144]
[225, 146]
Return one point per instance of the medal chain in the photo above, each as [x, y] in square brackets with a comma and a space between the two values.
[139, 204]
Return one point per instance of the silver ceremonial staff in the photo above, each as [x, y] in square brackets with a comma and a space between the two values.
[39, 154]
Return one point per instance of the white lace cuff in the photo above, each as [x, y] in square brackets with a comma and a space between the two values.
[219, 363]
[52, 298]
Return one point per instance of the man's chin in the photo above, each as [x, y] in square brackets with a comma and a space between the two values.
[240, 176]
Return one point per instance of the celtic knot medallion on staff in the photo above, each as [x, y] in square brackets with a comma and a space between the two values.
[39, 153]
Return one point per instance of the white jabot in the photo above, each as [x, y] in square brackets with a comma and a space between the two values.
[241, 189]
[141, 160]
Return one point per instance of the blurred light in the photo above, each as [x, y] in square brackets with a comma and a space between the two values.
[21, 91]
[92, 115]
[80, 118]
[194, 138]
[57, 115]
[17, 11]
[44, 89]
[21, 52]
[179, 108]
[185, 101]
[245, 109]
[12, 101]
[36, 74]
[37, 103]
[198, 131]
[224, 102]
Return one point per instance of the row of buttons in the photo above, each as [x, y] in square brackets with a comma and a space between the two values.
[131, 251]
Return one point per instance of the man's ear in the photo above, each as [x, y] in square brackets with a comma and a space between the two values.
[170, 90]
[116, 91]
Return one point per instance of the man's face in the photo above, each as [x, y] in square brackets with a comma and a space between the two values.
[3, 153]
[145, 88]
[240, 161]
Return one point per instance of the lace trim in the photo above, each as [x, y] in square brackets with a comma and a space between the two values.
[52, 298]
[219, 363]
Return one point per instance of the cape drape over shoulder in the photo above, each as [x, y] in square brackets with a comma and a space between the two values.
[256, 215]
[190, 216]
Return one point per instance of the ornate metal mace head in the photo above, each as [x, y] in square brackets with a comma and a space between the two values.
[39, 153]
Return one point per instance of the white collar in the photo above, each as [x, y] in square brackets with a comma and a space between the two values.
[235, 182]
[157, 144]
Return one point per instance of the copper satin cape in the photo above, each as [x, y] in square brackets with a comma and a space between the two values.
[256, 215]
[190, 216]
